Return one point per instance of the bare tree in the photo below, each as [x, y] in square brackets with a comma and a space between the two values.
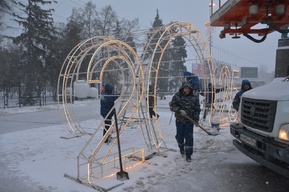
[85, 18]
[106, 21]
[100, 22]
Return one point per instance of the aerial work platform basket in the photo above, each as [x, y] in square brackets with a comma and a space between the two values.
[247, 16]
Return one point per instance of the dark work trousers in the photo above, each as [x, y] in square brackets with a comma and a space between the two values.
[207, 109]
[152, 112]
[107, 123]
[185, 136]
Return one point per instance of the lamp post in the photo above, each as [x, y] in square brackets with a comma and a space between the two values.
[209, 27]
[211, 5]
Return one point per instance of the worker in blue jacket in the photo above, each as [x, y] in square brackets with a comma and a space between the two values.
[106, 104]
[245, 86]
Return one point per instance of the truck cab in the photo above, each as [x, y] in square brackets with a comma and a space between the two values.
[262, 130]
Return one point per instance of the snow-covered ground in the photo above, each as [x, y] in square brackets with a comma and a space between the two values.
[43, 157]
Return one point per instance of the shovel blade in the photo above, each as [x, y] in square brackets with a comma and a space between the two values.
[122, 175]
[213, 132]
[210, 131]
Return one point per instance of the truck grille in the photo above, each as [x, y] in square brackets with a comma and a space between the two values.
[258, 114]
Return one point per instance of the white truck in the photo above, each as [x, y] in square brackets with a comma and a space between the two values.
[262, 130]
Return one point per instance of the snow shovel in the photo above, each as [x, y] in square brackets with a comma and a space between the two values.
[212, 132]
[121, 175]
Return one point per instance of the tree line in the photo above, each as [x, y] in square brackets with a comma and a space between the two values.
[33, 58]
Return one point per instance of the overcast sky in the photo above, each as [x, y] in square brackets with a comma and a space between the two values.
[241, 52]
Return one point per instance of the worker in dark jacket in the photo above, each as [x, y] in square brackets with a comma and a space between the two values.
[106, 104]
[152, 103]
[185, 103]
[245, 86]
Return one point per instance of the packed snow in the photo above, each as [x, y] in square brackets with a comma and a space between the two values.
[42, 156]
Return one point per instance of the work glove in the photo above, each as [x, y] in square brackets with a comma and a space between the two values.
[196, 119]
[183, 112]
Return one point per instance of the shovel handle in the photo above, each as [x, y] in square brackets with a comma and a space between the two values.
[194, 122]
[118, 140]
[198, 125]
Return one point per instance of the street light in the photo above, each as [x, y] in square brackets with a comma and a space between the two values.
[209, 27]
[211, 7]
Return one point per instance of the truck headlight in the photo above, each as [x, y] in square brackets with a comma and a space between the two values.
[284, 132]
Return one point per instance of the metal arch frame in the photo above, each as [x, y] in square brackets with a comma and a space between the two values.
[91, 158]
[225, 76]
[73, 59]
[71, 71]
[123, 47]
[167, 33]
[90, 150]
[132, 68]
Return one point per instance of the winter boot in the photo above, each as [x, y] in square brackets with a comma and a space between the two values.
[182, 152]
[188, 158]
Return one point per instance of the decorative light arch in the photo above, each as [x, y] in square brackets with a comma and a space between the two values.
[91, 58]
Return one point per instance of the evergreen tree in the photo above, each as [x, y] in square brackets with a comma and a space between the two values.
[10, 73]
[35, 40]
[177, 67]
[6, 6]
[173, 58]
[157, 22]
[152, 39]
[68, 37]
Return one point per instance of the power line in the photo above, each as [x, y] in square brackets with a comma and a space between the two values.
[222, 54]
[77, 2]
